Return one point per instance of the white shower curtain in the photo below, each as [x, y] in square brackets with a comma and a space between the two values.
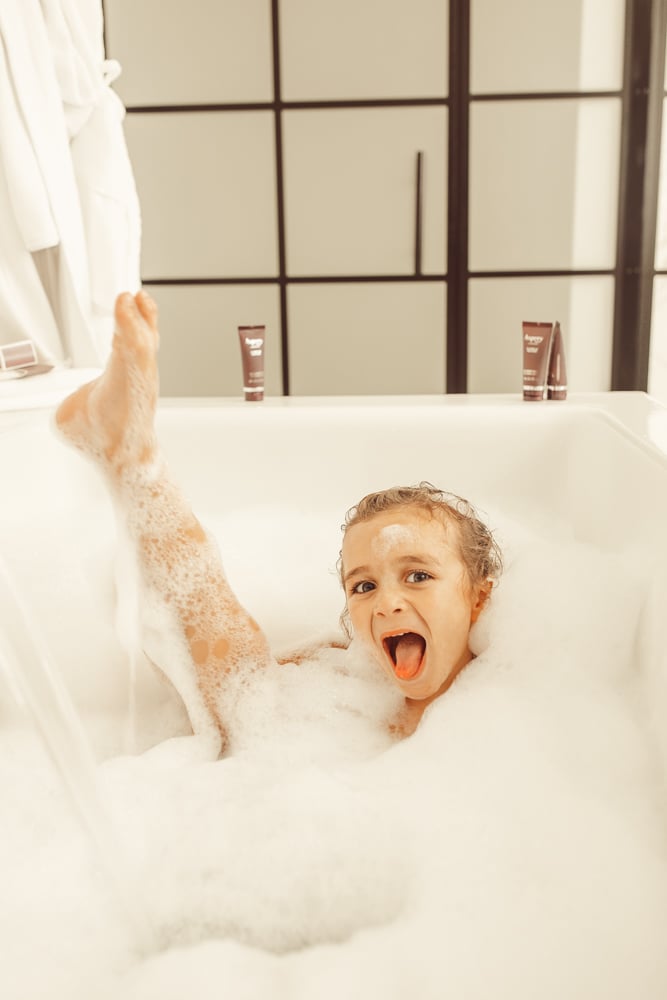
[70, 221]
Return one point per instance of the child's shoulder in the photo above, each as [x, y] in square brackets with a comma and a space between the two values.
[309, 649]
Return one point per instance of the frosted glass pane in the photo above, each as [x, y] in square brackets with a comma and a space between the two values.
[206, 184]
[367, 339]
[657, 373]
[584, 307]
[523, 46]
[199, 52]
[350, 190]
[362, 49]
[199, 348]
[661, 230]
[544, 184]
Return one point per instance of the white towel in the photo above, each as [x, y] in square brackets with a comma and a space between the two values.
[68, 179]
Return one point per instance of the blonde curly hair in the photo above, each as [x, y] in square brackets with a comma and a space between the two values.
[478, 548]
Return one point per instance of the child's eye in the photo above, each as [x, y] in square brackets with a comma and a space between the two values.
[418, 576]
[363, 587]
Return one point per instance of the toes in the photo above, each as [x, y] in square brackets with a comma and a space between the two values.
[127, 316]
[136, 319]
[147, 308]
[125, 308]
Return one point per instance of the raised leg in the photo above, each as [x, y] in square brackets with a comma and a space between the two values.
[111, 420]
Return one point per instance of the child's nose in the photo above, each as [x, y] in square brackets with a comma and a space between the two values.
[389, 601]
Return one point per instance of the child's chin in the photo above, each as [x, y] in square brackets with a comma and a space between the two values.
[416, 689]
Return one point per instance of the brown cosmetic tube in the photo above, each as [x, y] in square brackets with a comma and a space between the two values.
[536, 340]
[251, 339]
[557, 373]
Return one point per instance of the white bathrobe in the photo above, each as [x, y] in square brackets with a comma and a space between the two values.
[68, 203]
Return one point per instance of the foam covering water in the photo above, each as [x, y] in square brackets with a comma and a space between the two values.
[514, 847]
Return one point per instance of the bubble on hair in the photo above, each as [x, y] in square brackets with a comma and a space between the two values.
[479, 550]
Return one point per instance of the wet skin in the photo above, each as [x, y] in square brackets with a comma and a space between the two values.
[404, 571]
[403, 576]
[111, 420]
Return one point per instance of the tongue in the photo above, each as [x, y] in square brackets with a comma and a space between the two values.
[409, 652]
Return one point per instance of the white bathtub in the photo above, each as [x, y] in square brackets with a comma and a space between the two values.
[591, 471]
[586, 461]
[595, 466]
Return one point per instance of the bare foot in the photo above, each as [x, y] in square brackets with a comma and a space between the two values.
[111, 418]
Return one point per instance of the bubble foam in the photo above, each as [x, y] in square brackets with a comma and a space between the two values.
[514, 846]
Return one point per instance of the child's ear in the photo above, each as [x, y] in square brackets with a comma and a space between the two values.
[483, 593]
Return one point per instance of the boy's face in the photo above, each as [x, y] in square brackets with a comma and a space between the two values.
[410, 599]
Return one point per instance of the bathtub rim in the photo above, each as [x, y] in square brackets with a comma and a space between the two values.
[634, 413]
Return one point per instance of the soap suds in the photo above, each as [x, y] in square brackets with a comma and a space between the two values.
[392, 535]
[514, 846]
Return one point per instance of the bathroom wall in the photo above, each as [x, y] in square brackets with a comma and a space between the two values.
[331, 265]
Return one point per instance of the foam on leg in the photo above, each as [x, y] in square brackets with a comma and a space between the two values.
[111, 420]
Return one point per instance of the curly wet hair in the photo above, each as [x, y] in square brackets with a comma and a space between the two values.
[478, 548]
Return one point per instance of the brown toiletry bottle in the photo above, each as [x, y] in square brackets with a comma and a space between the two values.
[557, 373]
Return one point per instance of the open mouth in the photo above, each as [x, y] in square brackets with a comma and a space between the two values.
[406, 652]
